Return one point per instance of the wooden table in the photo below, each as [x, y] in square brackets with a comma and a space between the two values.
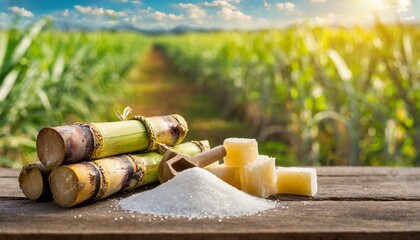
[352, 203]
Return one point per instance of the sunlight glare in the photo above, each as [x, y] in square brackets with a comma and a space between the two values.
[377, 4]
[398, 5]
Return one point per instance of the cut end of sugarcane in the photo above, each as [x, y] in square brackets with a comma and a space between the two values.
[64, 186]
[31, 183]
[50, 148]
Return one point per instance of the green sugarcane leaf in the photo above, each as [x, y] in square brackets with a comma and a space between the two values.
[8, 83]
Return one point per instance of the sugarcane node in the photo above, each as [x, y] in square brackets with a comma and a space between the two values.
[173, 163]
[138, 176]
[204, 145]
[181, 127]
[162, 148]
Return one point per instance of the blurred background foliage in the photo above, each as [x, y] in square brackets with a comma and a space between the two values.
[311, 95]
[315, 95]
[50, 78]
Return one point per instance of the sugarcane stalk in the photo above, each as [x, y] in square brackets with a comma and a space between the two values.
[90, 181]
[75, 143]
[33, 181]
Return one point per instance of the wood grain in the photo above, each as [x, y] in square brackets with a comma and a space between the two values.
[9, 172]
[10, 188]
[352, 203]
[320, 219]
[334, 183]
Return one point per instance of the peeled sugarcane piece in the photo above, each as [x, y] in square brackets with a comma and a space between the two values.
[297, 181]
[240, 151]
[75, 143]
[230, 175]
[33, 181]
[258, 178]
[94, 180]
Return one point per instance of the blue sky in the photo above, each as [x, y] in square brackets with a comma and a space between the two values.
[225, 14]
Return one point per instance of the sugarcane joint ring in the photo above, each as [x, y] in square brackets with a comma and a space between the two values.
[202, 145]
[139, 171]
[150, 132]
[98, 141]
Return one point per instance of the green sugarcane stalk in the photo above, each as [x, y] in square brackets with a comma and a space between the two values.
[75, 143]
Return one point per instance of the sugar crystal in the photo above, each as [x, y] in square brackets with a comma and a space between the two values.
[196, 193]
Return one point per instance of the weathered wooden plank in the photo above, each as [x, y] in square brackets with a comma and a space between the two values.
[321, 171]
[354, 184]
[10, 188]
[9, 172]
[364, 171]
[301, 218]
[290, 220]
[366, 187]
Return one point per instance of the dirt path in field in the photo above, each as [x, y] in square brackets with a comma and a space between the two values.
[158, 90]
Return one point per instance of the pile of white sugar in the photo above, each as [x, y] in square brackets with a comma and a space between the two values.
[196, 193]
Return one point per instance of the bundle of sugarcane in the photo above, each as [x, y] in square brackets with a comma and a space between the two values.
[94, 180]
[59, 174]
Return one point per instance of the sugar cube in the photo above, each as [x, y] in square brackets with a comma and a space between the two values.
[240, 151]
[258, 178]
[227, 174]
[297, 180]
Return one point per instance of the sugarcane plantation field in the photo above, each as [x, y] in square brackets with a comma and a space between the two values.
[309, 95]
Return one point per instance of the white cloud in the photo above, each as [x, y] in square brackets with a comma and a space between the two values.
[134, 2]
[137, 3]
[3, 15]
[229, 14]
[326, 20]
[227, 10]
[146, 10]
[21, 11]
[404, 5]
[409, 19]
[318, 1]
[95, 11]
[220, 4]
[267, 5]
[332, 19]
[288, 6]
[392, 5]
[133, 19]
[112, 13]
[192, 10]
[175, 17]
[66, 13]
[160, 16]
[84, 10]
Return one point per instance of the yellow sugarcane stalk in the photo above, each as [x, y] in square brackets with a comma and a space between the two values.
[94, 180]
